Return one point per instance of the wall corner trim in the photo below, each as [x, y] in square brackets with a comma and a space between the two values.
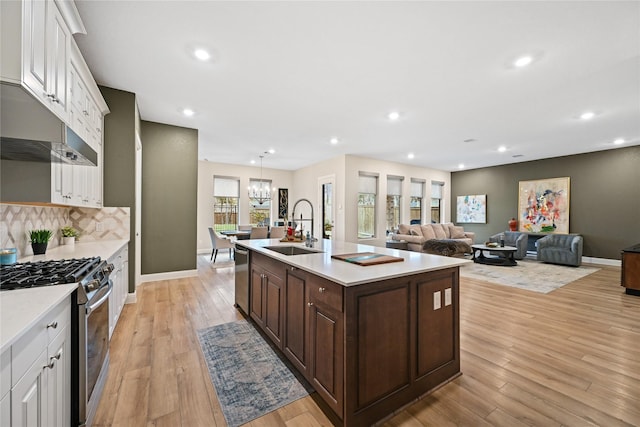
[132, 298]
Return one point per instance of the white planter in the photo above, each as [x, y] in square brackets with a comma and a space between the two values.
[68, 241]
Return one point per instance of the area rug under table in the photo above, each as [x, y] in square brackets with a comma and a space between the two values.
[530, 275]
[249, 378]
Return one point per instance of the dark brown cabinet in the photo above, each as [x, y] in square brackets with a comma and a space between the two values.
[267, 292]
[631, 269]
[367, 349]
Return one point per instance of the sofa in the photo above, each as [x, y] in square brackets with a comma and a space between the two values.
[564, 249]
[416, 235]
[515, 239]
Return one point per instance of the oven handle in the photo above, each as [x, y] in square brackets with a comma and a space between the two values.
[107, 291]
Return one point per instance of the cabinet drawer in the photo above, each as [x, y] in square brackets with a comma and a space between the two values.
[5, 372]
[56, 320]
[324, 292]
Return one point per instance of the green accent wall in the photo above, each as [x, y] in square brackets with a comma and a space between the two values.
[604, 196]
[119, 173]
[169, 197]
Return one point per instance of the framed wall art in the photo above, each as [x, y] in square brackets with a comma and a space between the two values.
[472, 209]
[543, 205]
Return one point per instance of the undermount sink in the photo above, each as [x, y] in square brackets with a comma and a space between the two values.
[291, 250]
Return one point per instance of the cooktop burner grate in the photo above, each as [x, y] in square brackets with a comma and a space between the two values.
[45, 273]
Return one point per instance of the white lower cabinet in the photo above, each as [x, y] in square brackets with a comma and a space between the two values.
[40, 369]
[120, 278]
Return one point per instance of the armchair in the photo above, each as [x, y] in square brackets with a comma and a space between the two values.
[515, 239]
[563, 249]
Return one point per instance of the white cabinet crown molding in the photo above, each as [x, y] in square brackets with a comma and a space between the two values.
[71, 16]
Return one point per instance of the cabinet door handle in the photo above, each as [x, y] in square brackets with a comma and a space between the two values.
[310, 304]
[58, 355]
[51, 364]
[293, 268]
[321, 290]
[53, 325]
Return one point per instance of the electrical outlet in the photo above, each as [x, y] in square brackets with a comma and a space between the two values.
[437, 300]
[99, 226]
[447, 297]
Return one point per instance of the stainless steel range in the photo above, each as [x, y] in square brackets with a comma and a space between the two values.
[89, 321]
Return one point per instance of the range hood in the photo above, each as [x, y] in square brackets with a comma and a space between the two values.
[30, 132]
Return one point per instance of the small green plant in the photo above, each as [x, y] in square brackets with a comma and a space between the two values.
[68, 231]
[40, 236]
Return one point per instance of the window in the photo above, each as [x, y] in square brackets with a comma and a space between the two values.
[394, 196]
[226, 192]
[260, 209]
[415, 204]
[436, 201]
[367, 189]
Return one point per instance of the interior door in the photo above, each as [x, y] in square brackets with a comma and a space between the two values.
[326, 199]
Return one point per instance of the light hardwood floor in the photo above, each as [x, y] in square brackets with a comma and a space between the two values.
[567, 358]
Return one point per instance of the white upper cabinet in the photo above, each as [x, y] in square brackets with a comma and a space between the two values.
[46, 42]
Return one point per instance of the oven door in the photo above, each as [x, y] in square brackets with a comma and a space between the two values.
[94, 364]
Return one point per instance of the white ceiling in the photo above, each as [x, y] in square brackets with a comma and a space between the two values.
[292, 75]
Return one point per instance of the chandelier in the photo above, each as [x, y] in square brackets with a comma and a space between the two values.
[260, 193]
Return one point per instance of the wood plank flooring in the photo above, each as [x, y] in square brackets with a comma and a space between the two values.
[568, 358]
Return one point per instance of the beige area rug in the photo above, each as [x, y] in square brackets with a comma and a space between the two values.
[530, 275]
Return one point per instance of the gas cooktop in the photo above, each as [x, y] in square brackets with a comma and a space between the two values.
[45, 273]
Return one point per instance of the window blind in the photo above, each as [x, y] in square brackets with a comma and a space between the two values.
[436, 190]
[226, 187]
[417, 189]
[394, 186]
[367, 184]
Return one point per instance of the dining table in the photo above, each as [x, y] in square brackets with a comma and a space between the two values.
[238, 234]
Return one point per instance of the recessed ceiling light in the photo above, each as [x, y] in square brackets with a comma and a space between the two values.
[271, 151]
[410, 156]
[587, 115]
[334, 141]
[202, 54]
[618, 141]
[394, 115]
[502, 149]
[253, 162]
[461, 166]
[523, 61]
[188, 112]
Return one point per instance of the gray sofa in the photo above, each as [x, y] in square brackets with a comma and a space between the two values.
[416, 235]
[565, 249]
[515, 239]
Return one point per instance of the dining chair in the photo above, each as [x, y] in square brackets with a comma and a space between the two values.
[276, 232]
[259, 232]
[245, 227]
[219, 242]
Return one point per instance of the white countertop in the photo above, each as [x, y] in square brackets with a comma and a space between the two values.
[348, 274]
[20, 309]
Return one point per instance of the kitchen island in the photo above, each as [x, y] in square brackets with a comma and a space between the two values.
[369, 339]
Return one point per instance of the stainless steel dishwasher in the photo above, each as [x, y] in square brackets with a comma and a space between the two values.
[242, 279]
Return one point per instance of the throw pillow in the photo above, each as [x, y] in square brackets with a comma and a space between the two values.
[413, 233]
[457, 232]
[439, 231]
[427, 231]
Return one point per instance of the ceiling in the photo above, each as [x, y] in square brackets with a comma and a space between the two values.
[289, 76]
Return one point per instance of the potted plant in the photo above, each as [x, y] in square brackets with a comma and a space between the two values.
[39, 240]
[69, 235]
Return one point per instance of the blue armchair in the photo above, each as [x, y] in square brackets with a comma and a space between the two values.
[565, 249]
[515, 239]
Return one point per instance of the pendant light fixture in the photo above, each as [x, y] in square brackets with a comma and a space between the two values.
[261, 193]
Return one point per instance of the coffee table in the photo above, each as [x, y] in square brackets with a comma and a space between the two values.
[397, 244]
[505, 259]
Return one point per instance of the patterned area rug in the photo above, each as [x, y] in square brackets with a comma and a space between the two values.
[530, 275]
[249, 378]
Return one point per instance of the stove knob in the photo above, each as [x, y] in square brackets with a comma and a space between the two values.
[92, 285]
[107, 268]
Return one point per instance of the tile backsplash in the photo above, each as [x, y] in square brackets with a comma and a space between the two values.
[93, 224]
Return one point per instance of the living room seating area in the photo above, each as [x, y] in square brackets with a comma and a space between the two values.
[564, 249]
[416, 235]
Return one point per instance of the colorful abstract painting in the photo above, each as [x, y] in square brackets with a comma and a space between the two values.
[472, 209]
[543, 206]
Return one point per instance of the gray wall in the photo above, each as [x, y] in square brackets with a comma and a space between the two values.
[169, 197]
[119, 187]
[604, 196]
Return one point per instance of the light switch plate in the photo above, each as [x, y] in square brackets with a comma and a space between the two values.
[447, 297]
[437, 300]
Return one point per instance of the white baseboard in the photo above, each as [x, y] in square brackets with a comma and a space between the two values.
[168, 276]
[204, 251]
[602, 261]
[131, 298]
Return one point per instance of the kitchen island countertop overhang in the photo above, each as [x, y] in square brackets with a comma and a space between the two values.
[348, 274]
